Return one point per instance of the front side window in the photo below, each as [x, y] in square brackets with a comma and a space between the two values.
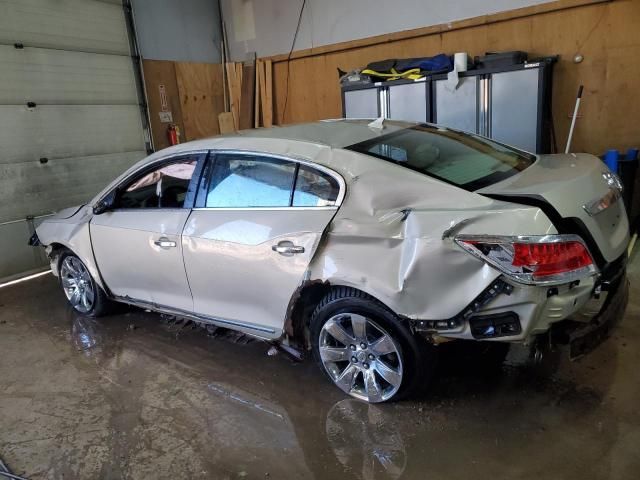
[240, 181]
[165, 186]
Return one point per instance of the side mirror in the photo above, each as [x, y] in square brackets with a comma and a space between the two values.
[106, 203]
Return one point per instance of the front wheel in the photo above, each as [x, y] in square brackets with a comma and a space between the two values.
[82, 292]
[366, 350]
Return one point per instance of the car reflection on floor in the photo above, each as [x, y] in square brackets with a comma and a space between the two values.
[361, 436]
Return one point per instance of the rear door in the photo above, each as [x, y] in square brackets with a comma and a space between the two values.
[137, 243]
[257, 224]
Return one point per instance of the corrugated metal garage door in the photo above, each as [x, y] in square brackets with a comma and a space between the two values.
[71, 58]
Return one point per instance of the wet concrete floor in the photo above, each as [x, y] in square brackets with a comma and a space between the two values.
[132, 396]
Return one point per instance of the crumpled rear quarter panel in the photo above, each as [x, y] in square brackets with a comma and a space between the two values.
[387, 240]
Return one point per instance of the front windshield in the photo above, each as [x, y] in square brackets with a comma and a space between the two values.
[468, 161]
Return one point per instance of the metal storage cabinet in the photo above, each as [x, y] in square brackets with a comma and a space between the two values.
[514, 115]
[457, 108]
[399, 99]
[361, 102]
[408, 101]
[509, 104]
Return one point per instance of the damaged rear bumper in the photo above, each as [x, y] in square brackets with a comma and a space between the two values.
[583, 338]
[580, 313]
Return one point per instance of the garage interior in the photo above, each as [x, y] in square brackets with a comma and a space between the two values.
[89, 87]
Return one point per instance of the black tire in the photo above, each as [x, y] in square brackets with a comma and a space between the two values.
[417, 356]
[101, 304]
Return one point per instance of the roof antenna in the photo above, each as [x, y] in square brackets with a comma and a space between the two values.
[377, 124]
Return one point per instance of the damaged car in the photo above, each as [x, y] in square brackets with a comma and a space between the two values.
[368, 246]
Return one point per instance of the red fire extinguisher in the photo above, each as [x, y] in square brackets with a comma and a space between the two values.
[173, 134]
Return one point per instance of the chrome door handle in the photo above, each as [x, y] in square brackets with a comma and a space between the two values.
[287, 248]
[164, 242]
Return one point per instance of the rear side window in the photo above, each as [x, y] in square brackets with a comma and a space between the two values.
[246, 181]
[240, 181]
[315, 188]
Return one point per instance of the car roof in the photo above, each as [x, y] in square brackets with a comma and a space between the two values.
[336, 133]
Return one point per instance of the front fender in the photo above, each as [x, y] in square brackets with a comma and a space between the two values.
[71, 232]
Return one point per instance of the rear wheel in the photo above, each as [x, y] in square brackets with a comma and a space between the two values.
[82, 292]
[366, 350]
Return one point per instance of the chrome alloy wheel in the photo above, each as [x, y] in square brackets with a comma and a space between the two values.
[361, 357]
[77, 284]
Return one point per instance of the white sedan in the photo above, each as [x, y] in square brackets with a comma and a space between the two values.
[370, 246]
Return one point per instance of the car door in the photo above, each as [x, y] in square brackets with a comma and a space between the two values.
[136, 242]
[247, 244]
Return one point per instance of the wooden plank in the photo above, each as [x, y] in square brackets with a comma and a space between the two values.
[202, 98]
[246, 95]
[226, 122]
[237, 86]
[268, 99]
[514, 14]
[261, 87]
[256, 102]
[156, 73]
[234, 92]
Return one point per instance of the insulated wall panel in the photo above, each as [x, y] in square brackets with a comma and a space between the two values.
[79, 25]
[17, 258]
[48, 76]
[60, 183]
[70, 117]
[60, 131]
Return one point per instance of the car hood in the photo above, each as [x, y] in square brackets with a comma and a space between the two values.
[568, 183]
[66, 213]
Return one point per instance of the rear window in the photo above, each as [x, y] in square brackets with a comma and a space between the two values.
[467, 161]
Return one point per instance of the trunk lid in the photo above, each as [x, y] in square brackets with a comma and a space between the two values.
[567, 183]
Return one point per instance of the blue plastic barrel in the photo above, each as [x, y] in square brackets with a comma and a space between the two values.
[611, 160]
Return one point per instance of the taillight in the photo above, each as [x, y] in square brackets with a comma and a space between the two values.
[535, 260]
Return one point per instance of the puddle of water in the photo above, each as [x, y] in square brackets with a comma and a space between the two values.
[179, 405]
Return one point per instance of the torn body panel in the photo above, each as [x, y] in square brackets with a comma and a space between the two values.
[69, 228]
[403, 260]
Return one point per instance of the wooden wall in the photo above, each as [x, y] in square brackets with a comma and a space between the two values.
[156, 73]
[195, 98]
[201, 98]
[606, 33]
